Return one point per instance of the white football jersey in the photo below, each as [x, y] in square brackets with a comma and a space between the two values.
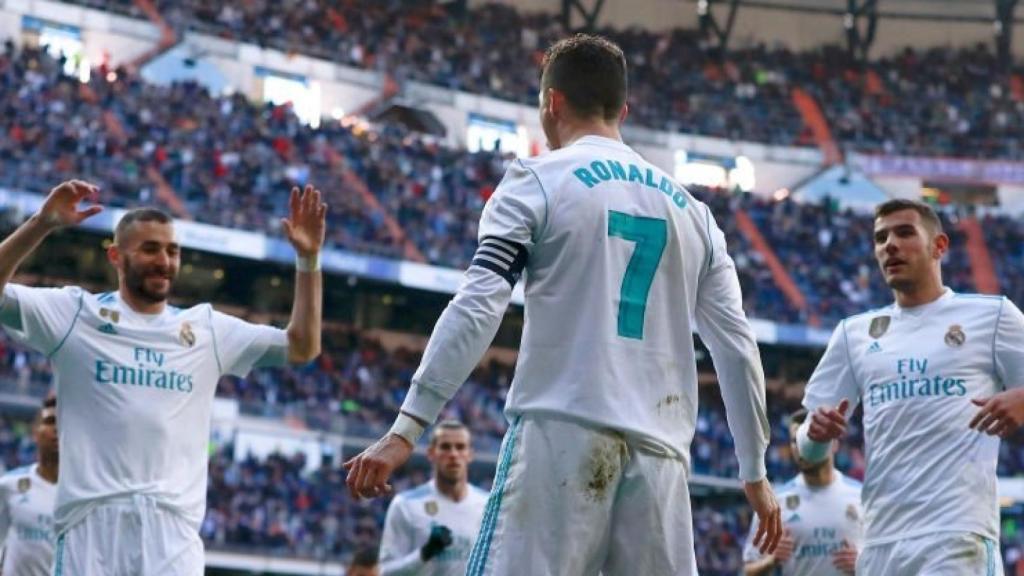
[407, 526]
[621, 265]
[26, 523]
[821, 520]
[916, 370]
[135, 391]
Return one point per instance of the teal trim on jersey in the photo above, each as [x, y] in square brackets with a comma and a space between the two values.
[478, 557]
[990, 554]
[213, 333]
[58, 568]
[650, 236]
[418, 492]
[869, 312]
[544, 226]
[707, 230]
[18, 471]
[980, 296]
[105, 297]
[81, 300]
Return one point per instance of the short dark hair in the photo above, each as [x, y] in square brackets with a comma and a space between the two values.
[928, 214]
[50, 402]
[443, 425]
[140, 215]
[590, 71]
[364, 558]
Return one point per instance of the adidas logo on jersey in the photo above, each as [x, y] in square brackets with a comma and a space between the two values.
[794, 518]
[107, 328]
[875, 347]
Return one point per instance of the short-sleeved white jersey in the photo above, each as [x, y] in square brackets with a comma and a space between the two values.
[821, 520]
[623, 264]
[916, 370]
[407, 526]
[135, 391]
[26, 522]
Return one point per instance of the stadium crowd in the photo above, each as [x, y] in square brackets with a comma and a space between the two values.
[937, 102]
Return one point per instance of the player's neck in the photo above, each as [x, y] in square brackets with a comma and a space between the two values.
[575, 131]
[139, 305]
[455, 491]
[821, 477]
[924, 293]
[47, 469]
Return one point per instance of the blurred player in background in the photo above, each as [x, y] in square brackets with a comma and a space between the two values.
[921, 367]
[821, 517]
[430, 530]
[621, 264]
[364, 563]
[27, 497]
[136, 379]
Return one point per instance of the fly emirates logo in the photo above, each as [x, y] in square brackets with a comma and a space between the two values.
[147, 370]
[912, 381]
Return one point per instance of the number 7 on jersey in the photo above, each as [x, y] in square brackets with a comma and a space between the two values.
[650, 236]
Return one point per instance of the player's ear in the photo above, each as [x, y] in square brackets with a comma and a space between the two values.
[113, 254]
[623, 113]
[940, 245]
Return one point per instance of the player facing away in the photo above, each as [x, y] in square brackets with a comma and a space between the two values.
[27, 497]
[430, 530]
[136, 377]
[822, 519]
[621, 265]
[921, 367]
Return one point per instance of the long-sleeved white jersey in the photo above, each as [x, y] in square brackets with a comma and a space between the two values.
[916, 370]
[411, 516]
[621, 265]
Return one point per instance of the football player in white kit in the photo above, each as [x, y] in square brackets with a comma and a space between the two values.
[921, 367]
[136, 378]
[430, 530]
[27, 496]
[621, 265]
[821, 516]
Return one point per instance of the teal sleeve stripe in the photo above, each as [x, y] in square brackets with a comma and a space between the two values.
[58, 569]
[707, 230]
[213, 334]
[544, 226]
[81, 300]
[991, 557]
[482, 548]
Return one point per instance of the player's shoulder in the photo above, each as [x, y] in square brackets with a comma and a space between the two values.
[479, 493]
[790, 486]
[865, 318]
[14, 475]
[850, 484]
[991, 302]
[414, 494]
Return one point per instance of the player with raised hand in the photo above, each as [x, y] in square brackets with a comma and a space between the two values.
[921, 367]
[621, 265]
[27, 496]
[822, 517]
[136, 379]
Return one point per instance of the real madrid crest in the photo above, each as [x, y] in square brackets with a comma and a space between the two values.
[186, 335]
[792, 501]
[879, 325]
[430, 507]
[851, 513]
[955, 336]
[24, 484]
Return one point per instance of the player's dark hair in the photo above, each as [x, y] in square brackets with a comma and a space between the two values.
[140, 215]
[364, 558]
[928, 215]
[590, 71]
[444, 425]
[50, 402]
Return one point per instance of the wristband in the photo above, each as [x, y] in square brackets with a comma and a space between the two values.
[407, 428]
[307, 263]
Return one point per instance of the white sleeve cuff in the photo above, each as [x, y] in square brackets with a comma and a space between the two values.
[752, 467]
[423, 403]
[810, 450]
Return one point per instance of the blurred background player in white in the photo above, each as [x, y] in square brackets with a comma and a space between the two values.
[921, 367]
[821, 517]
[621, 264]
[364, 563]
[430, 530]
[136, 379]
[27, 497]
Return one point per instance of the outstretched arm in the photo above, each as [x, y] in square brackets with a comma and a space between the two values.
[305, 228]
[60, 209]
